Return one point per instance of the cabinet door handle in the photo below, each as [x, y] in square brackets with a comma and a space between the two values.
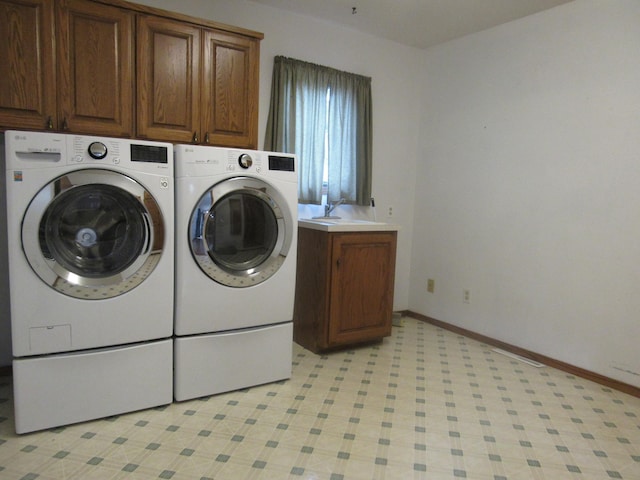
[65, 125]
[338, 263]
[195, 137]
[206, 137]
[49, 123]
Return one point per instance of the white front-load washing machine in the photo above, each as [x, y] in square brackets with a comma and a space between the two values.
[236, 238]
[91, 264]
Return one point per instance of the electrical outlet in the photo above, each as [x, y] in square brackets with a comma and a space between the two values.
[431, 285]
[390, 212]
[466, 296]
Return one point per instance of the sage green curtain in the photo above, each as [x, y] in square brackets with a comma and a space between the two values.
[310, 101]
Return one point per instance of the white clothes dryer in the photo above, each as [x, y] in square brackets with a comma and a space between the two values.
[236, 245]
[91, 264]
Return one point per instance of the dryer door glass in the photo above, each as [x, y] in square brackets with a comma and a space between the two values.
[89, 233]
[241, 232]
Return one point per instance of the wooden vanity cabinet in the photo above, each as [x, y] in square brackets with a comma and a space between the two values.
[344, 288]
[196, 85]
[66, 65]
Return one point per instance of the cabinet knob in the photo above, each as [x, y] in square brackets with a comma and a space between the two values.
[206, 137]
[65, 125]
[49, 123]
[195, 137]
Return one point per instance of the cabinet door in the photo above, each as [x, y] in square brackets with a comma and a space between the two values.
[362, 279]
[168, 73]
[27, 76]
[230, 89]
[95, 68]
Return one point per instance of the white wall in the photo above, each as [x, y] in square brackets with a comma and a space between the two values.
[529, 192]
[395, 71]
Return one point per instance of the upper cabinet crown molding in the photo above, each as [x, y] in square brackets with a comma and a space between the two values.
[158, 12]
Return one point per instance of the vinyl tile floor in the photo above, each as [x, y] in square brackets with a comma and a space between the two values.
[423, 404]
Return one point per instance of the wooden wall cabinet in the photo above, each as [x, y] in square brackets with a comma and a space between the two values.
[114, 68]
[95, 59]
[231, 87]
[196, 85]
[66, 66]
[27, 78]
[344, 288]
[168, 77]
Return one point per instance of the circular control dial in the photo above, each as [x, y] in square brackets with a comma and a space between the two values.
[245, 160]
[97, 150]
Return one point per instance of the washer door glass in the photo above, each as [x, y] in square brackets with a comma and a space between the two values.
[89, 234]
[240, 232]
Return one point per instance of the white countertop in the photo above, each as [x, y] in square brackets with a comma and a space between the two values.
[346, 225]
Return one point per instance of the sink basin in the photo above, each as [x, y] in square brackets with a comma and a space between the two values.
[329, 224]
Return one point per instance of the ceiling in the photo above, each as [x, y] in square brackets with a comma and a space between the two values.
[417, 23]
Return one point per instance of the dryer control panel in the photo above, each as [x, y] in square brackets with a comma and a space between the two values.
[202, 161]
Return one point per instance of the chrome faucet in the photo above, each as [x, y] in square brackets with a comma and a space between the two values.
[329, 207]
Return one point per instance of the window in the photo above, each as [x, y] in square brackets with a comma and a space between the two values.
[323, 115]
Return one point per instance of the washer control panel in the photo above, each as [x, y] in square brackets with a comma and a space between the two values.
[114, 151]
[92, 150]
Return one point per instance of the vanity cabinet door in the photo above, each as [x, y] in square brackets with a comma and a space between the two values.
[361, 291]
